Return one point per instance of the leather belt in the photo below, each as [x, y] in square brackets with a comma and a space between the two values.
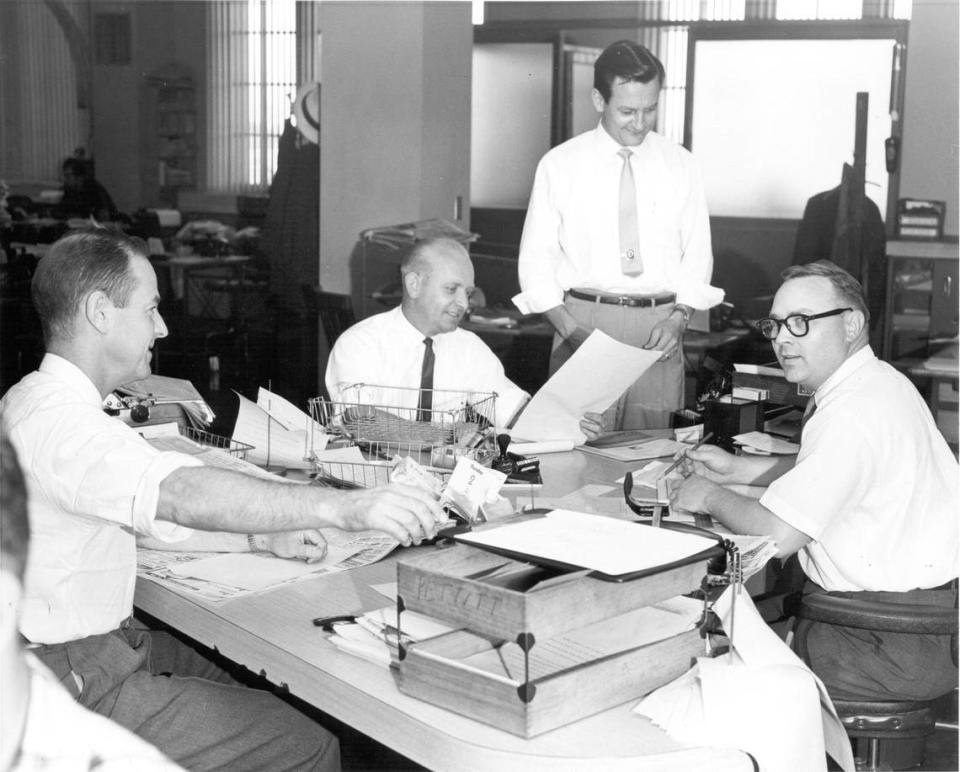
[643, 301]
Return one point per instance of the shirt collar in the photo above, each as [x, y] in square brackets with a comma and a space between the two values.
[65, 370]
[850, 365]
[609, 146]
[408, 332]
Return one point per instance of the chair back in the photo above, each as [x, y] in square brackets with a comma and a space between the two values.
[334, 310]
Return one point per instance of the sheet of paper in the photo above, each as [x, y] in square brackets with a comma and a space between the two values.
[273, 444]
[767, 443]
[590, 381]
[206, 575]
[605, 544]
[724, 701]
[288, 414]
[246, 570]
[539, 448]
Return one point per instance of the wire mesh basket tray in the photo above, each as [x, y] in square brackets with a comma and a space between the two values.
[386, 422]
[203, 437]
[365, 474]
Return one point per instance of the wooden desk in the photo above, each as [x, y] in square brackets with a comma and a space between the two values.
[271, 633]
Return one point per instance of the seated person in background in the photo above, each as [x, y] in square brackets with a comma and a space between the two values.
[870, 501]
[83, 196]
[95, 485]
[41, 726]
[390, 349]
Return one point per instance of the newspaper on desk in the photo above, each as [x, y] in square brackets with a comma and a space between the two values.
[216, 577]
[223, 576]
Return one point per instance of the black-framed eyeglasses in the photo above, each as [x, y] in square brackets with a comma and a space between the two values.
[797, 325]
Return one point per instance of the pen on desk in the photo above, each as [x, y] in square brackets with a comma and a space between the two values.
[683, 454]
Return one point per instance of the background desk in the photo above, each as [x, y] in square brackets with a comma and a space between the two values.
[272, 633]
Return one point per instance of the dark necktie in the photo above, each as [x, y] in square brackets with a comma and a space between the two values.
[808, 412]
[425, 404]
[630, 262]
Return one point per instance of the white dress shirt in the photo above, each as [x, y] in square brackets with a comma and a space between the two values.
[62, 735]
[571, 233]
[875, 485]
[93, 483]
[385, 350]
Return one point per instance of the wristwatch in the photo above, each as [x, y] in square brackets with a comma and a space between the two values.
[685, 311]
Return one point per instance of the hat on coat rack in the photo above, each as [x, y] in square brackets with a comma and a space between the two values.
[306, 108]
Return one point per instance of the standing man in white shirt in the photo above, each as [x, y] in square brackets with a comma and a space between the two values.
[617, 237]
[96, 486]
[869, 502]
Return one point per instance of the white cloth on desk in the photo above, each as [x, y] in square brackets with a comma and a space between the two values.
[875, 485]
[571, 234]
[61, 735]
[92, 482]
[386, 350]
[726, 702]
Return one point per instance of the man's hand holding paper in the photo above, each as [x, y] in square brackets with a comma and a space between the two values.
[597, 374]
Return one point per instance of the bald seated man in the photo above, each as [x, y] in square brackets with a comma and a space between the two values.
[388, 349]
[96, 486]
[869, 502]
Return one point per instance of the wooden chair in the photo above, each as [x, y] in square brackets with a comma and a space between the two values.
[891, 722]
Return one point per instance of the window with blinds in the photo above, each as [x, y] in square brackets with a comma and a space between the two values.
[258, 52]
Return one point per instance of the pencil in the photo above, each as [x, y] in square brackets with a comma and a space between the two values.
[683, 454]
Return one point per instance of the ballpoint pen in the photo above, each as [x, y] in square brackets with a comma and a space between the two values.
[683, 454]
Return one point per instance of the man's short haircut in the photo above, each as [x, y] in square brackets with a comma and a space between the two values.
[14, 525]
[81, 262]
[625, 61]
[848, 288]
[418, 255]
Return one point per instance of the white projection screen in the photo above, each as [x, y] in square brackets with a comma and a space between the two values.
[774, 120]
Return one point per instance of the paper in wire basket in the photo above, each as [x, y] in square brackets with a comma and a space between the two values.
[385, 422]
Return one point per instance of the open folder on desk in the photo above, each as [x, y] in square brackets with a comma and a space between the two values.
[613, 548]
[590, 381]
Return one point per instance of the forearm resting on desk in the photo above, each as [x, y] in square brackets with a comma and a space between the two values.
[739, 513]
[304, 544]
[724, 468]
[210, 499]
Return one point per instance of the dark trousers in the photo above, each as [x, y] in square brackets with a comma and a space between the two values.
[186, 706]
[880, 666]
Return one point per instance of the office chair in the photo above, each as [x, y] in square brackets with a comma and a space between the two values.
[335, 311]
[874, 721]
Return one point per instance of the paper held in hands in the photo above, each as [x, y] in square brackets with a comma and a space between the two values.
[590, 381]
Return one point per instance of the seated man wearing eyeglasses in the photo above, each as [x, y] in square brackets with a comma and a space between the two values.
[869, 502]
